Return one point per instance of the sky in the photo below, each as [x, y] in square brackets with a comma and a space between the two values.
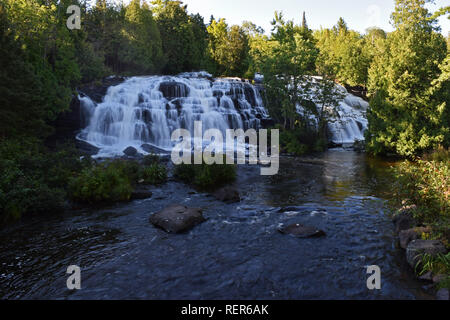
[359, 14]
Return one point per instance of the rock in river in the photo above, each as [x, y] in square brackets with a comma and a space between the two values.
[227, 194]
[130, 151]
[141, 194]
[406, 236]
[301, 231]
[177, 218]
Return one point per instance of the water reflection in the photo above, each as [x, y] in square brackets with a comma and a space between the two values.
[236, 254]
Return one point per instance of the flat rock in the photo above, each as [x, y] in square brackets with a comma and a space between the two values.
[406, 236]
[177, 218]
[153, 150]
[301, 231]
[227, 194]
[417, 248]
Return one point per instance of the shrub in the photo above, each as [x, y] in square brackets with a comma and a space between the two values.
[154, 174]
[301, 140]
[151, 159]
[33, 180]
[102, 183]
[426, 184]
[206, 177]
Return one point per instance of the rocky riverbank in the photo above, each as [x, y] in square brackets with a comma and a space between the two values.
[412, 239]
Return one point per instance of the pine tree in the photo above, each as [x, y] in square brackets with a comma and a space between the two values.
[404, 117]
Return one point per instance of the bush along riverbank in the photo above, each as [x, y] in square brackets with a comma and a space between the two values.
[37, 181]
[422, 191]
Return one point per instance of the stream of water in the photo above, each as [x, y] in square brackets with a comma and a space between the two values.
[236, 254]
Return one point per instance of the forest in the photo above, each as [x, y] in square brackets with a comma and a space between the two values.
[403, 74]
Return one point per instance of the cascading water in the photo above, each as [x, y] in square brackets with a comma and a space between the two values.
[350, 122]
[146, 110]
[347, 121]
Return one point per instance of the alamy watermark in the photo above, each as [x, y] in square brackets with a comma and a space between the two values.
[374, 281]
[74, 280]
[74, 21]
[259, 152]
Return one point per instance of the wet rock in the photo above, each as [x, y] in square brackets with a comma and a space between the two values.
[289, 209]
[404, 220]
[301, 231]
[152, 149]
[228, 195]
[427, 276]
[177, 218]
[443, 294]
[86, 148]
[406, 236]
[141, 194]
[130, 152]
[96, 91]
[417, 248]
[173, 89]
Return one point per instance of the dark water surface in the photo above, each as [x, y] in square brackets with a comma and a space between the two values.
[236, 254]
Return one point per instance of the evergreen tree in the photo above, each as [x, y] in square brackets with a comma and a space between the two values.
[405, 118]
[177, 35]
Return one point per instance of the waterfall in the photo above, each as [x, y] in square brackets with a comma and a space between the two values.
[347, 121]
[146, 110]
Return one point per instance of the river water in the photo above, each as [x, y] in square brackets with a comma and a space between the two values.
[236, 254]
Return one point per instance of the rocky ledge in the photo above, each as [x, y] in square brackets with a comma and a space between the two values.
[410, 235]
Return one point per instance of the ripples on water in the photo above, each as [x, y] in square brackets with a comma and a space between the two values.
[236, 254]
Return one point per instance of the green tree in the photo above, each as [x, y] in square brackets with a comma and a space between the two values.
[407, 114]
[345, 54]
[177, 35]
[228, 48]
[287, 67]
[143, 53]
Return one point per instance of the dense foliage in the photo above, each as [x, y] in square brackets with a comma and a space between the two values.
[409, 86]
[204, 176]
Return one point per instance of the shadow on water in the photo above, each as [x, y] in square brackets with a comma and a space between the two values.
[236, 254]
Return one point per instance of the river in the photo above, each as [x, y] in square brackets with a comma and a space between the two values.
[236, 254]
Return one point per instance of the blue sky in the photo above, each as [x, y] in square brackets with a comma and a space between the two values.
[359, 14]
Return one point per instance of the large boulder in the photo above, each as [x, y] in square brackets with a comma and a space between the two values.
[86, 148]
[417, 248]
[301, 231]
[406, 236]
[177, 218]
[130, 152]
[227, 194]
